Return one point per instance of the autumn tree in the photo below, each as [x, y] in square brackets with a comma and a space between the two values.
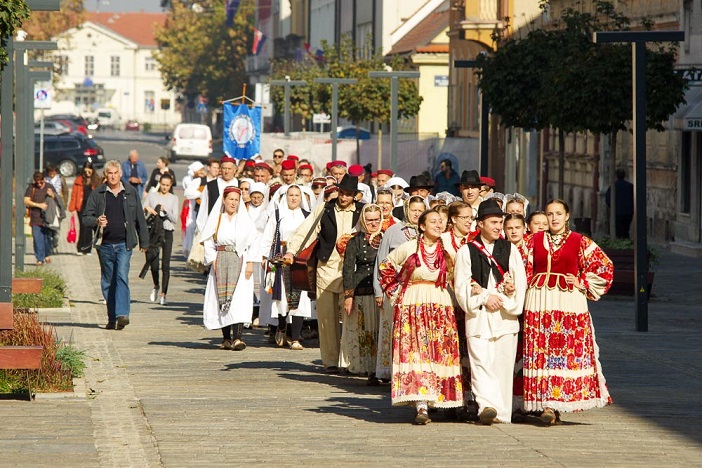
[12, 14]
[199, 54]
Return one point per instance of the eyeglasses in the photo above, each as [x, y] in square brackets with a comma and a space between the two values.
[277, 156]
[465, 218]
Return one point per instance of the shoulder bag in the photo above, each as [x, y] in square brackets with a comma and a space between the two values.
[303, 271]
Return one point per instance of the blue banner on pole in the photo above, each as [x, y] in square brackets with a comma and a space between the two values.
[242, 131]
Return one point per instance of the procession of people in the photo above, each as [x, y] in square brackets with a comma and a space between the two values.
[460, 300]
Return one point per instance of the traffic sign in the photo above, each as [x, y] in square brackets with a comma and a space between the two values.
[42, 97]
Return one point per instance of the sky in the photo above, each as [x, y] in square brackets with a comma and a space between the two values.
[123, 5]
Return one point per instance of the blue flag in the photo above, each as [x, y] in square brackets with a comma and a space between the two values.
[232, 6]
[242, 131]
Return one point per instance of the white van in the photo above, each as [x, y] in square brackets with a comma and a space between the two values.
[190, 141]
[108, 118]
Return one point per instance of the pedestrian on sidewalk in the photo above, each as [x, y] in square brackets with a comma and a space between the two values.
[230, 237]
[115, 208]
[562, 370]
[161, 168]
[84, 184]
[35, 199]
[168, 213]
[134, 172]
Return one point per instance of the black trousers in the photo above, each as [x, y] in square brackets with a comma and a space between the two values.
[295, 329]
[85, 237]
[235, 329]
[166, 252]
[622, 223]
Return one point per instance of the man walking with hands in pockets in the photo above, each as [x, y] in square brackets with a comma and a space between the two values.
[114, 208]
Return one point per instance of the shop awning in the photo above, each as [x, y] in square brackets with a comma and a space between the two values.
[688, 117]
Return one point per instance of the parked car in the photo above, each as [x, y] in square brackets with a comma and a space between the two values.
[108, 118]
[52, 128]
[132, 126]
[190, 141]
[76, 123]
[69, 152]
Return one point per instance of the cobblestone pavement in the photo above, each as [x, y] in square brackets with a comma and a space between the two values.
[160, 393]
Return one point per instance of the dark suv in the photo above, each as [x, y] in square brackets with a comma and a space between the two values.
[69, 152]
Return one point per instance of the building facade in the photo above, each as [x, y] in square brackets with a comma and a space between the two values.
[108, 62]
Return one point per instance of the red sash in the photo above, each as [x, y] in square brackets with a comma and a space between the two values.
[482, 250]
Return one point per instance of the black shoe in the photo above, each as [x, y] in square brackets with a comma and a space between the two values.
[122, 321]
[110, 326]
[487, 416]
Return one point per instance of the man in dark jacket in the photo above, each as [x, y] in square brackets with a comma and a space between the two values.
[115, 208]
[623, 204]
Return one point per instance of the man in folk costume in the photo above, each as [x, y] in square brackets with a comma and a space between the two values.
[490, 282]
[470, 186]
[215, 188]
[338, 217]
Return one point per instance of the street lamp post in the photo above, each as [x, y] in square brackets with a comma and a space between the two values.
[394, 87]
[24, 131]
[6, 159]
[484, 119]
[638, 40]
[287, 84]
[335, 82]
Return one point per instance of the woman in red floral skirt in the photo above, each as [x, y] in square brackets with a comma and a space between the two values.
[562, 370]
[426, 368]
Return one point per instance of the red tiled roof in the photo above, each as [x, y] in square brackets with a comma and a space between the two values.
[433, 49]
[422, 34]
[137, 27]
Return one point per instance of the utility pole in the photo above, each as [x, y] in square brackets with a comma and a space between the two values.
[394, 88]
[287, 84]
[638, 40]
[335, 82]
[484, 119]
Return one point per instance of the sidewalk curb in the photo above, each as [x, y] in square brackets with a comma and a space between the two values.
[79, 392]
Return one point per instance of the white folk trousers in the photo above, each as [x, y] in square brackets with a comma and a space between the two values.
[492, 373]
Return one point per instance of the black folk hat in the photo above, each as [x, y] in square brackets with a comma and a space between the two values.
[489, 207]
[470, 178]
[417, 182]
[348, 183]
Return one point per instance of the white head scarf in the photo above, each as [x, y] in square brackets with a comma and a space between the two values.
[246, 232]
[516, 196]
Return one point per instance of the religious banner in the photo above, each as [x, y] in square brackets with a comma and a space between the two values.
[242, 130]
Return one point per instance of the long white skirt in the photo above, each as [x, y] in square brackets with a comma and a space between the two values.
[240, 309]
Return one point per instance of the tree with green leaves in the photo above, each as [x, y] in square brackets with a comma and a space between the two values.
[557, 77]
[12, 14]
[199, 54]
[366, 101]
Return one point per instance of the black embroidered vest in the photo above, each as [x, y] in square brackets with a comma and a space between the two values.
[327, 233]
[212, 194]
[481, 266]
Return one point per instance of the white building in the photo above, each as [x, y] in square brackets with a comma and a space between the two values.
[108, 62]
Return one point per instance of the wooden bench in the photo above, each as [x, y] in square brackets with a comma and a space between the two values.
[19, 357]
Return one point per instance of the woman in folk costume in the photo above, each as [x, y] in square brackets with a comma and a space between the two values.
[396, 235]
[459, 234]
[516, 232]
[289, 307]
[515, 203]
[359, 336]
[229, 237]
[192, 184]
[426, 368]
[384, 197]
[562, 370]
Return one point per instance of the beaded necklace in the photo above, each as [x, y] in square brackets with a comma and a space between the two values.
[458, 245]
[431, 260]
[556, 241]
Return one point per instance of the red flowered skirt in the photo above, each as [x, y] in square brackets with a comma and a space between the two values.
[426, 362]
[562, 370]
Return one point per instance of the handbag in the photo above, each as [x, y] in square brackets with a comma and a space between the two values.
[196, 258]
[303, 271]
[72, 235]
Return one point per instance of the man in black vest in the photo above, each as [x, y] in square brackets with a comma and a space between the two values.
[490, 282]
[214, 188]
[338, 217]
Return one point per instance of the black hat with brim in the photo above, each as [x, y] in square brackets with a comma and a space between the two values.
[419, 182]
[489, 207]
[348, 183]
[470, 178]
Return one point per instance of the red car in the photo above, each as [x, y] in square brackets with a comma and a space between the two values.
[132, 126]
